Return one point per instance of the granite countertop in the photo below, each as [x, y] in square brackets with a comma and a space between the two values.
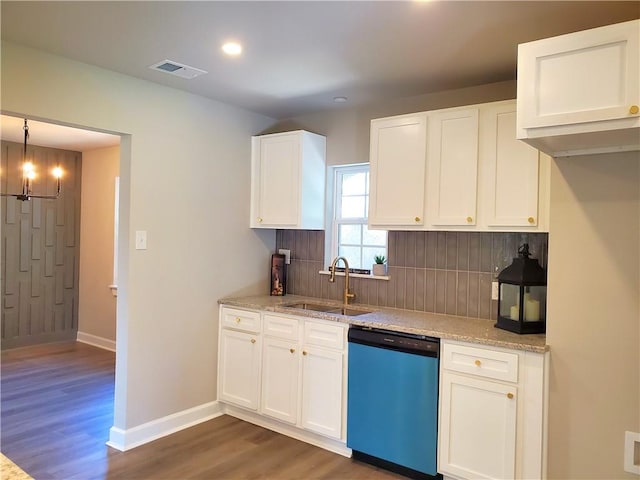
[465, 329]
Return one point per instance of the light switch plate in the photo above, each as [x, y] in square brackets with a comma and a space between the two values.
[141, 239]
[494, 290]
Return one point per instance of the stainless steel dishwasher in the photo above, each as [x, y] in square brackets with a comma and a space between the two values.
[392, 414]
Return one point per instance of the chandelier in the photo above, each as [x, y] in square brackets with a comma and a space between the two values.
[29, 174]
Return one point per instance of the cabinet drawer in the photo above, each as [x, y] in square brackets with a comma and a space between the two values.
[480, 361]
[281, 327]
[240, 319]
[324, 335]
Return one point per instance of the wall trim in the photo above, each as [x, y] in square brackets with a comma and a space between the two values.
[335, 446]
[124, 440]
[96, 341]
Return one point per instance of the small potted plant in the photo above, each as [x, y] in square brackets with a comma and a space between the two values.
[380, 267]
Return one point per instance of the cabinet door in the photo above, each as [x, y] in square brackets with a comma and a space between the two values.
[580, 77]
[477, 428]
[239, 368]
[398, 147]
[276, 180]
[452, 166]
[322, 391]
[280, 372]
[511, 171]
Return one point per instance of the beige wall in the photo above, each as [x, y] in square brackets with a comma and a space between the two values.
[593, 314]
[185, 176]
[97, 306]
[347, 129]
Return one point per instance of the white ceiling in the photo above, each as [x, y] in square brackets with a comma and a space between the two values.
[54, 136]
[299, 55]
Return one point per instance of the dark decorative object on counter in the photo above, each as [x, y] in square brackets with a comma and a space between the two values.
[278, 275]
[522, 297]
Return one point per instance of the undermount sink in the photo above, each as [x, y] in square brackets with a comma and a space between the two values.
[317, 307]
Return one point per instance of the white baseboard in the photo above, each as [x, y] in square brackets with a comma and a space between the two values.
[124, 440]
[335, 446]
[96, 341]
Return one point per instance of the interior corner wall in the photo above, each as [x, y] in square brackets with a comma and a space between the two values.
[186, 175]
[97, 305]
[593, 317]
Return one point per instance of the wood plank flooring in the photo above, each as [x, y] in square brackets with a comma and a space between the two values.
[57, 408]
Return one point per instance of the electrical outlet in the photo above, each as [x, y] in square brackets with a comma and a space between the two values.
[494, 290]
[287, 255]
[632, 452]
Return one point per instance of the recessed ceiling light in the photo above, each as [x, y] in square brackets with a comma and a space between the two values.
[232, 48]
[339, 99]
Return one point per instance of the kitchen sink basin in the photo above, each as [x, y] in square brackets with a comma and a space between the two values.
[318, 307]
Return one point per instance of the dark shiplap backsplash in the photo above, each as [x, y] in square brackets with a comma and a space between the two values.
[442, 272]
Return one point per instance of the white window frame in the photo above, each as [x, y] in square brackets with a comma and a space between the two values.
[335, 186]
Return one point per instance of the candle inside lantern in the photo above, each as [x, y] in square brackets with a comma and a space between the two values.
[532, 311]
[514, 312]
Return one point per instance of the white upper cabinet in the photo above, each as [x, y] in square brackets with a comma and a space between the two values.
[580, 93]
[456, 169]
[452, 167]
[397, 156]
[288, 181]
[514, 179]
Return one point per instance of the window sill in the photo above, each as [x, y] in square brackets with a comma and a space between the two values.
[357, 275]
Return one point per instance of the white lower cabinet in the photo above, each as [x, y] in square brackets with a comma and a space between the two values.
[492, 404]
[322, 391]
[280, 370]
[239, 368]
[293, 370]
[479, 440]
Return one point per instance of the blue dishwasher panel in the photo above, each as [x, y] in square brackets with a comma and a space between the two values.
[393, 406]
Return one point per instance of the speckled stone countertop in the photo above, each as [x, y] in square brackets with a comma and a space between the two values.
[465, 329]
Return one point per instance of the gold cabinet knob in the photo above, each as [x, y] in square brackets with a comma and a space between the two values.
[304, 353]
[292, 350]
[259, 219]
[531, 220]
[237, 319]
[253, 340]
[633, 109]
[478, 363]
[509, 395]
[417, 219]
[469, 219]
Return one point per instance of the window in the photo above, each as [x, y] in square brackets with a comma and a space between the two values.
[351, 236]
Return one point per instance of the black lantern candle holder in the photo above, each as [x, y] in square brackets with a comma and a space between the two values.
[522, 297]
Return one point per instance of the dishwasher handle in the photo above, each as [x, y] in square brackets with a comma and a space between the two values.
[401, 342]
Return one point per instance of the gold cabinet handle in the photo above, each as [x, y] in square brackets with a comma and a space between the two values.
[253, 340]
[304, 353]
[509, 395]
[259, 219]
[633, 109]
[531, 220]
[292, 350]
[478, 363]
[237, 319]
[417, 219]
[469, 219]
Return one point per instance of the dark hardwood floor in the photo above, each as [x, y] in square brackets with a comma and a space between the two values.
[57, 408]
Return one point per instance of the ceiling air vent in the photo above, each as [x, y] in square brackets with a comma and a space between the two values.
[177, 69]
